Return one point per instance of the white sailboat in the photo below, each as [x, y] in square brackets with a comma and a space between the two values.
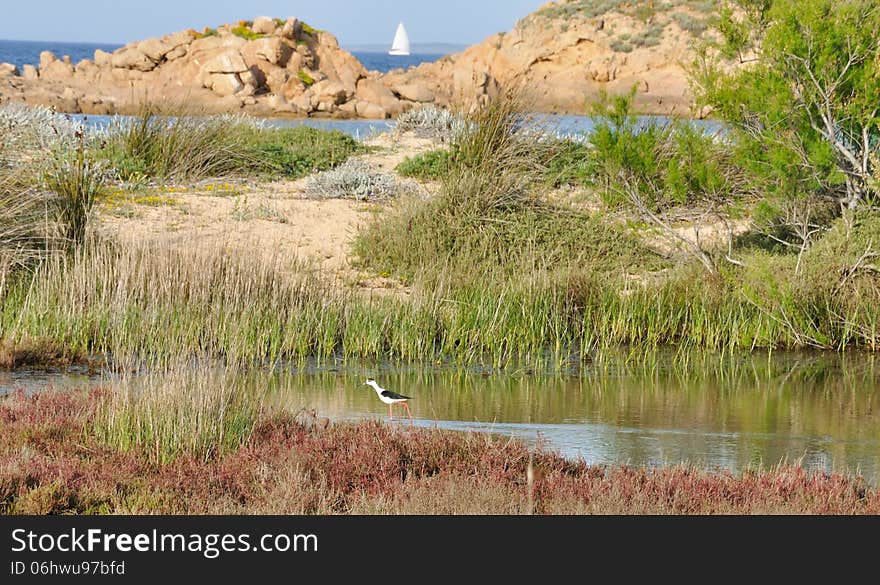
[401, 42]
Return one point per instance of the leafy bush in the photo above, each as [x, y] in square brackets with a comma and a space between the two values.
[570, 164]
[27, 134]
[244, 31]
[431, 122]
[648, 37]
[431, 165]
[846, 261]
[621, 46]
[296, 152]
[695, 26]
[587, 8]
[669, 163]
[805, 111]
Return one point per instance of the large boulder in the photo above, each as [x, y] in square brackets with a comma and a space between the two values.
[226, 84]
[103, 58]
[293, 89]
[208, 45]
[87, 70]
[56, 70]
[226, 63]
[414, 92]
[375, 92]
[8, 70]
[177, 53]
[47, 58]
[328, 91]
[29, 72]
[278, 104]
[263, 25]
[292, 29]
[168, 48]
[154, 49]
[303, 102]
[370, 110]
[254, 80]
[296, 63]
[276, 79]
[132, 58]
[274, 50]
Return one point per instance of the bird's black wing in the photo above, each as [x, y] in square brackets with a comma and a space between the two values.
[394, 396]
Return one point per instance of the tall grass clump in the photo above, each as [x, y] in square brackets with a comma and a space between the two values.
[185, 147]
[76, 180]
[154, 305]
[179, 146]
[25, 234]
[30, 139]
[490, 213]
[197, 412]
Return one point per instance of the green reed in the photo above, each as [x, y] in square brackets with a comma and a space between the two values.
[157, 303]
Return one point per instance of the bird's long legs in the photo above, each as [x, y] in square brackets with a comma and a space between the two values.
[408, 412]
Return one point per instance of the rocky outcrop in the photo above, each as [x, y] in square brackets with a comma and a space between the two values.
[268, 67]
[8, 70]
[564, 55]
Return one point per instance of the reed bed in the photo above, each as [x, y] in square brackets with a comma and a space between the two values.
[51, 462]
[154, 304]
[188, 410]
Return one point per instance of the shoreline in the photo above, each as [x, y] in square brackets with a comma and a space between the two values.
[136, 108]
[302, 464]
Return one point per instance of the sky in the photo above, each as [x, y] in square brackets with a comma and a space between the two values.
[354, 22]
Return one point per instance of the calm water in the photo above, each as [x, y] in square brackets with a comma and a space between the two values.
[28, 52]
[729, 413]
[384, 62]
[562, 124]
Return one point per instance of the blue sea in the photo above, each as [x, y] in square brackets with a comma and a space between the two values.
[384, 62]
[28, 52]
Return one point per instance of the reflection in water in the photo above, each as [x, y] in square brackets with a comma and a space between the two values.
[729, 412]
[30, 382]
[724, 412]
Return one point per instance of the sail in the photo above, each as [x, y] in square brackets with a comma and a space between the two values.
[401, 42]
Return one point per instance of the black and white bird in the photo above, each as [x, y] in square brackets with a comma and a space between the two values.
[390, 398]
